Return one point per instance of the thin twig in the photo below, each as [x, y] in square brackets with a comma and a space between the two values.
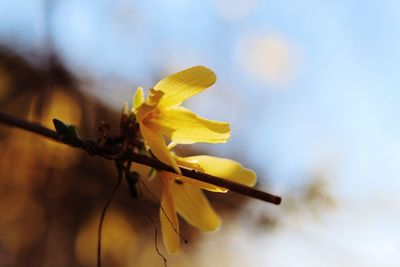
[103, 214]
[113, 152]
[155, 232]
[28, 126]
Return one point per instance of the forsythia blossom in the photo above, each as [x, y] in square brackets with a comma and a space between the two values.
[161, 116]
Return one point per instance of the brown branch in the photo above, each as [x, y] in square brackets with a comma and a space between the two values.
[28, 126]
[117, 152]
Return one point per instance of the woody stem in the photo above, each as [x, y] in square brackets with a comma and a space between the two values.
[116, 151]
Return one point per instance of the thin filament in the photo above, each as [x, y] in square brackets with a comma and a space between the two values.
[103, 214]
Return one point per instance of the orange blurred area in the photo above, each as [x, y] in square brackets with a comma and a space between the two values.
[118, 243]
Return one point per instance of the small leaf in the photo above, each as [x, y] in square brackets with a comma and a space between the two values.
[68, 133]
[61, 127]
[73, 131]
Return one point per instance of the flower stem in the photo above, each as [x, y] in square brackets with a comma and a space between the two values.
[117, 152]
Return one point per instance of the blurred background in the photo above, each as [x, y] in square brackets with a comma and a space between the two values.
[311, 92]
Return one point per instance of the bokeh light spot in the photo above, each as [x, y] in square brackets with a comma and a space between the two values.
[117, 243]
[270, 59]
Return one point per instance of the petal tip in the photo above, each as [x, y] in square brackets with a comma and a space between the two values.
[138, 99]
[215, 226]
[253, 178]
[173, 251]
[205, 72]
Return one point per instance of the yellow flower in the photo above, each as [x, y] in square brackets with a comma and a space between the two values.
[160, 115]
[184, 195]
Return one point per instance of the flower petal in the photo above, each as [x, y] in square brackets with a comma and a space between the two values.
[149, 108]
[184, 127]
[194, 207]
[157, 146]
[154, 97]
[202, 185]
[206, 186]
[184, 84]
[138, 99]
[169, 219]
[190, 165]
[224, 168]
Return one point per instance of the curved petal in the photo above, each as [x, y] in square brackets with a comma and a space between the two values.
[138, 99]
[169, 220]
[149, 108]
[184, 127]
[194, 207]
[206, 186]
[190, 165]
[157, 146]
[184, 84]
[202, 185]
[187, 164]
[154, 97]
[224, 168]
